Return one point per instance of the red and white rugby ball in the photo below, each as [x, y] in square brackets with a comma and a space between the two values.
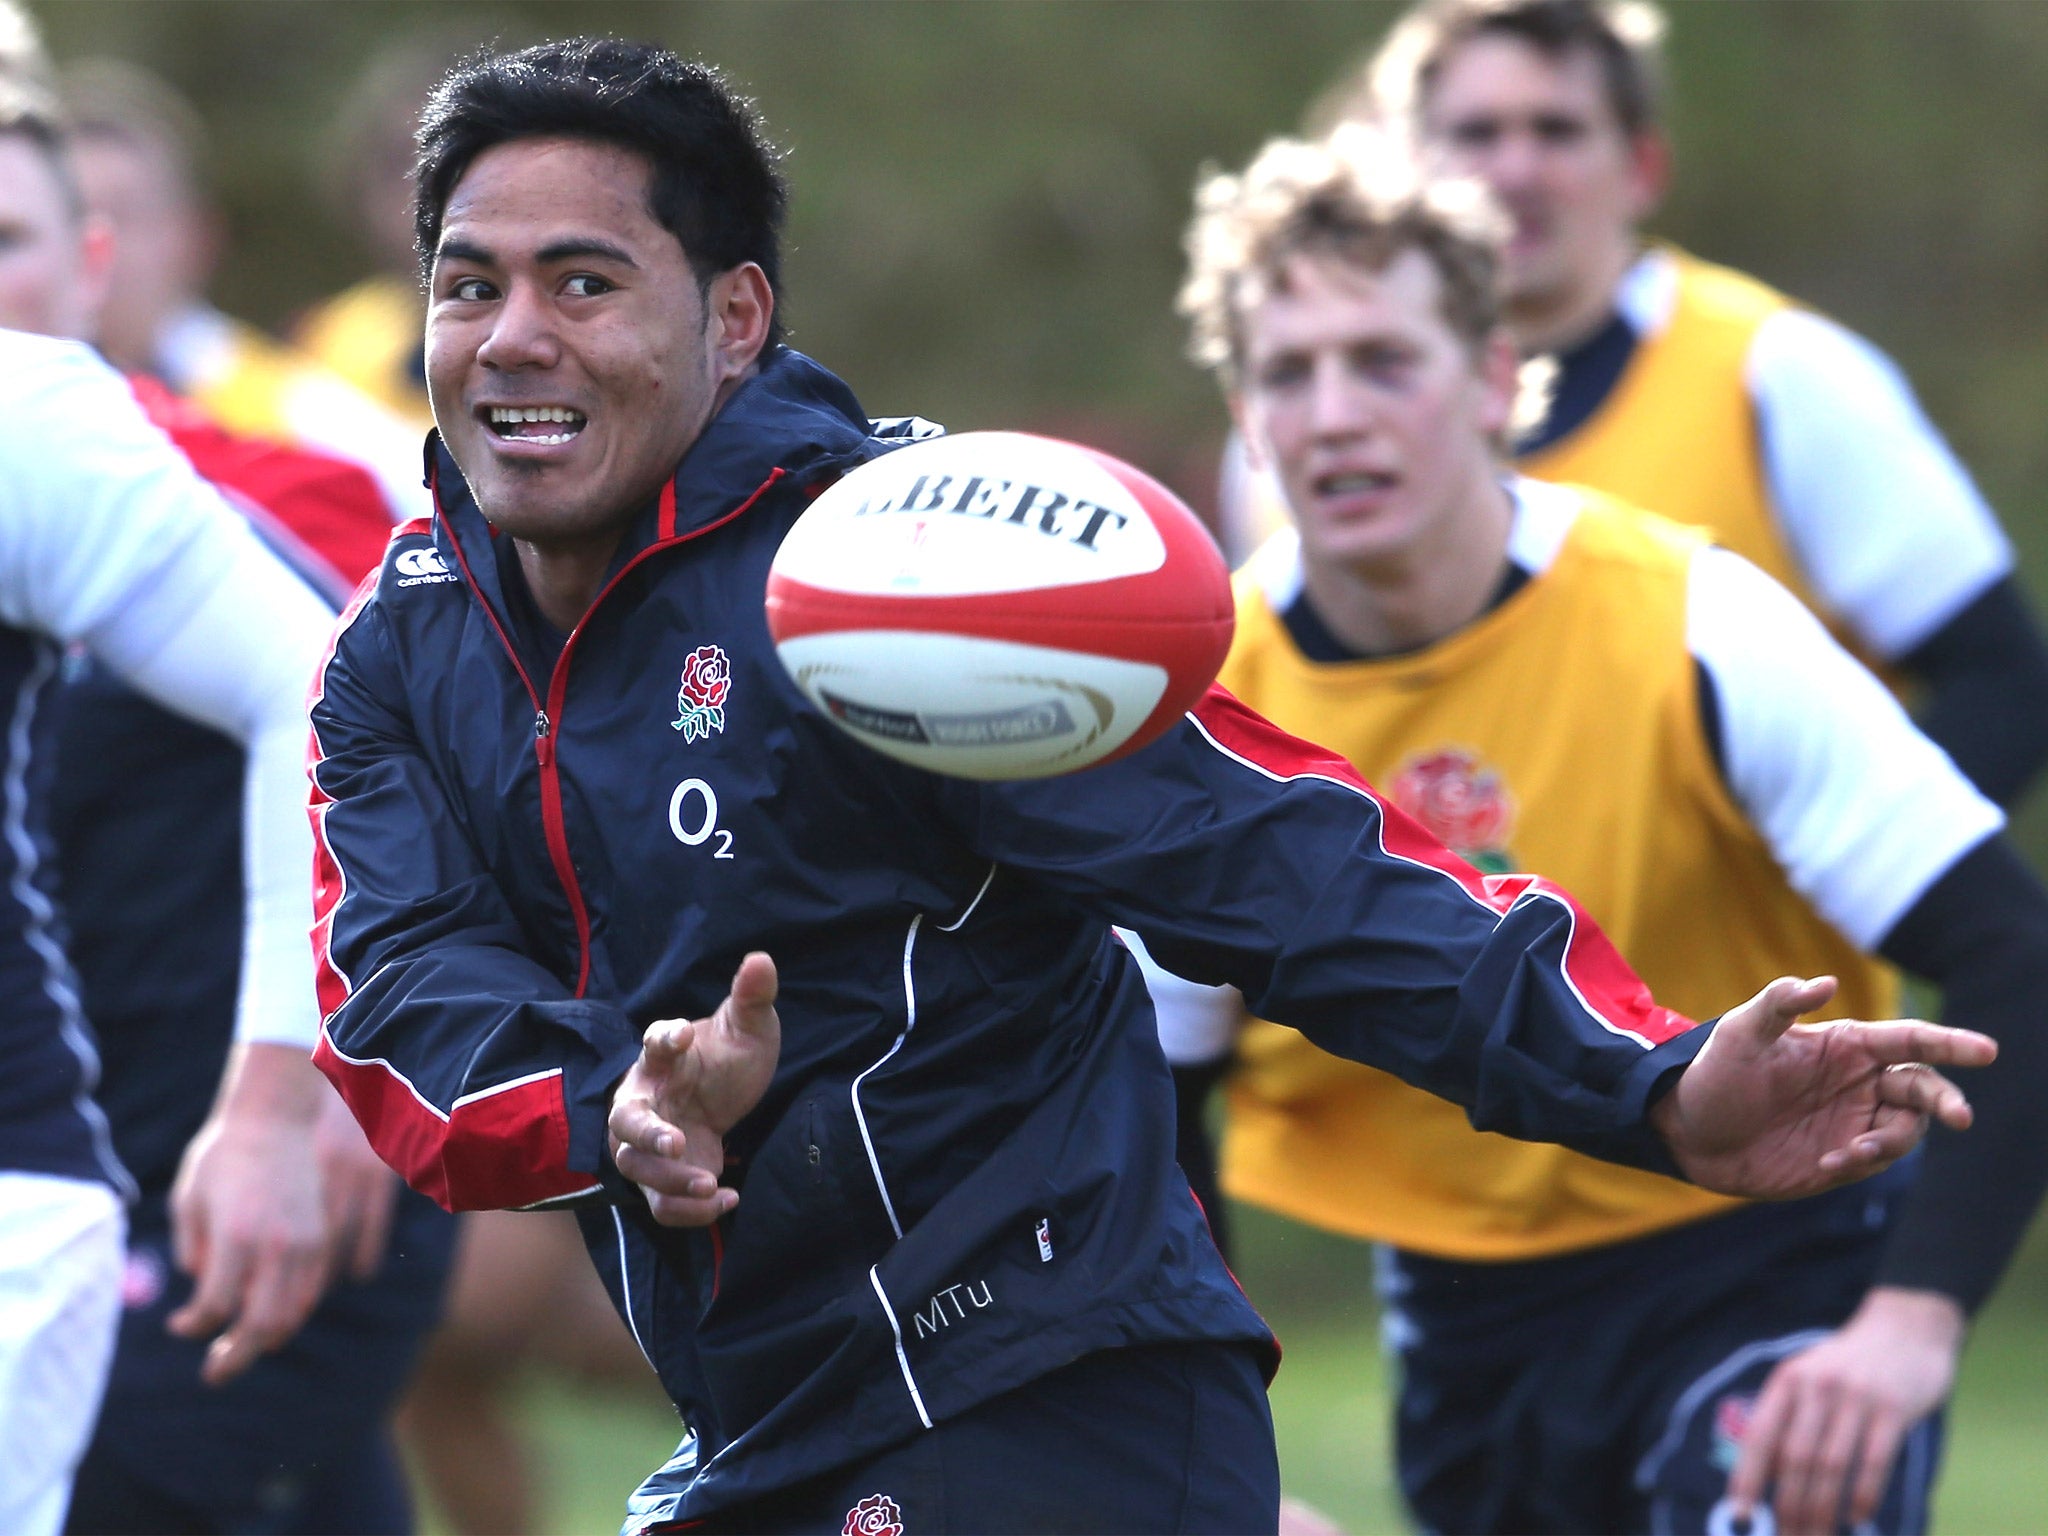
[996, 605]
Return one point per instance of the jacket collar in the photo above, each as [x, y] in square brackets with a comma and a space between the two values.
[792, 415]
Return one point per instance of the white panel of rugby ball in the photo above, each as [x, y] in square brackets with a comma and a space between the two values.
[996, 605]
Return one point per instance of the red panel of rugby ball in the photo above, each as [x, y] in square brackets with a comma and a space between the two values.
[1000, 605]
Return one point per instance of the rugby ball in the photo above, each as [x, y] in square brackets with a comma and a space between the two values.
[996, 605]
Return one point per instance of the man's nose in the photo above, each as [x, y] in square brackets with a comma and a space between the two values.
[1339, 406]
[1512, 163]
[523, 332]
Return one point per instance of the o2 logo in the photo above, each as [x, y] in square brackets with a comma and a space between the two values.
[693, 817]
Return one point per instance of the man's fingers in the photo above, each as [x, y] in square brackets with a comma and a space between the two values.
[1899, 1042]
[665, 1175]
[1778, 1007]
[1757, 1465]
[216, 1291]
[637, 1124]
[280, 1296]
[259, 1287]
[1826, 1475]
[754, 989]
[1798, 1453]
[188, 1238]
[1894, 1135]
[1883, 1434]
[373, 1216]
[666, 1040]
[1924, 1091]
[690, 1211]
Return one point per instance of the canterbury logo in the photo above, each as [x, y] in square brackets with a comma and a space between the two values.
[416, 567]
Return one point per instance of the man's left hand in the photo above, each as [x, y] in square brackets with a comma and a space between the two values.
[1772, 1109]
[246, 1210]
[1840, 1410]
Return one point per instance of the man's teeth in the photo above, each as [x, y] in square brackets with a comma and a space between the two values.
[1345, 485]
[534, 413]
[505, 418]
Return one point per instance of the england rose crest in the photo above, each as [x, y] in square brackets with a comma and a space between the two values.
[700, 704]
[1731, 1427]
[1463, 804]
[875, 1515]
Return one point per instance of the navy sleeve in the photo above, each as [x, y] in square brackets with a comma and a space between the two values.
[1985, 678]
[474, 1070]
[1980, 933]
[1244, 856]
[1194, 1148]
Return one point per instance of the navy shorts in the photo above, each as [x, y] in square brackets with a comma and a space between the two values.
[1608, 1390]
[1154, 1438]
[299, 1444]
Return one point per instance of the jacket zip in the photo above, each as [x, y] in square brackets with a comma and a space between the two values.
[547, 716]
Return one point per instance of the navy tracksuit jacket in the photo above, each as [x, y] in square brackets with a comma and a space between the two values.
[962, 1176]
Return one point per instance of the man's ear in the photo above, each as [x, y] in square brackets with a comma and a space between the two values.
[1500, 376]
[740, 306]
[1649, 158]
[95, 266]
[1254, 448]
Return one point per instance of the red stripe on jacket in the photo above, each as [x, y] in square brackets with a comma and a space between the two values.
[332, 508]
[329, 884]
[504, 1148]
[1612, 992]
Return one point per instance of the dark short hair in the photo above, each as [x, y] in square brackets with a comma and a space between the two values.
[715, 184]
[1623, 36]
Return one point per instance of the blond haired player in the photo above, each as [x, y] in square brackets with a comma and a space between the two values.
[1550, 680]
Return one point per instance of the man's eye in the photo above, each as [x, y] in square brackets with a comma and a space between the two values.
[585, 285]
[1385, 365]
[1479, 133]
[1559, 131]
[472, 290]
[1283, 372]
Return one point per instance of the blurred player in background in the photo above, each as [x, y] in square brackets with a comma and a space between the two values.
[524, 1295]
[370, 333]
[1690, 388]
[1703, 393]
[108, 541]
[139, 151]
[152, 887]
[1549, 680]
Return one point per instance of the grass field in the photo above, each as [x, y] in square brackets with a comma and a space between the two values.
[1330, 1403]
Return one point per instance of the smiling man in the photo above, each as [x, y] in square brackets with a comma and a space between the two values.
[1550, 680]
[895, 1214]
[575, 374]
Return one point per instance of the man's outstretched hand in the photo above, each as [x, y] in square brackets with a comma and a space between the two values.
[693, 1081]
[1773, 1109]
